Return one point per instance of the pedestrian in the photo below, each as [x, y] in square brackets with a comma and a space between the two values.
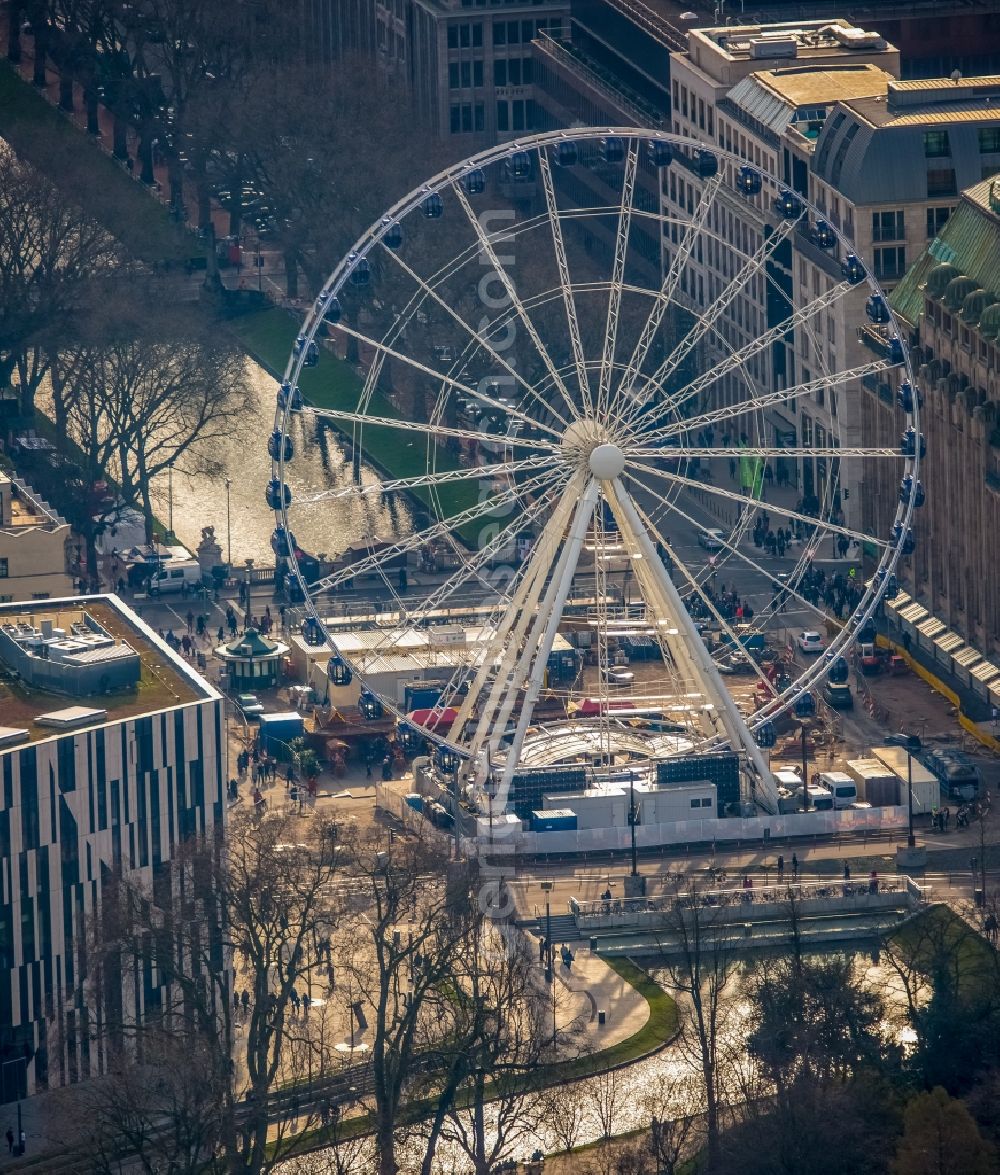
[10, 1140]
[221, 634]
[190, 620]
[781, 867]
[847, 872]
[990, 926]
[873, 882]
[795, 865]
[541, 949]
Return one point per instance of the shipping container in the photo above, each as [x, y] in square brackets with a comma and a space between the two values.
[926, 785]
[277, 731]
[877, 784]
[554, 820]
[418, 696]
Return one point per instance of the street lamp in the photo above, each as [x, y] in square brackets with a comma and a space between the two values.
[229, 528]
[550, 976]
[910, 743]
[631, 820]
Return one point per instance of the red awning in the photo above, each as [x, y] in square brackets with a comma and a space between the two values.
[432, 719]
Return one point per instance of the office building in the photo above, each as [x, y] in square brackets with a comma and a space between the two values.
[469, 65]
[819, 106]
[950, 299]
[34, 540]
[112, 753]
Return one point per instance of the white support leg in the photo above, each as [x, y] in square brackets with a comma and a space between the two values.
[563, 579]
[736, 729]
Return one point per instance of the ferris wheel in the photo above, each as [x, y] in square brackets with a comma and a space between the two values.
[585, 422]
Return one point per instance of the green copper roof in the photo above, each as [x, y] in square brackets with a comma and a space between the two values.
[939, 277]
[958, 289]
[989, 324]
[970, 242]
[975, 304]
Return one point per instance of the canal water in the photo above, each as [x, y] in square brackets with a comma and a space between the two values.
[320, 463]
[664, 1085]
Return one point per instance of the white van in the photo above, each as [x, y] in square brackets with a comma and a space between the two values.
[841, 786]
[175, 575]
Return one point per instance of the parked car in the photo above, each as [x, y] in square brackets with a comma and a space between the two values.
[712, 539]
[810, 642]
[615, 675]
[838, 695]
[250, 705]
[736, 663]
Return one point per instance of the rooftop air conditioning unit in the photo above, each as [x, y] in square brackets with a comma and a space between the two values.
[773, 47]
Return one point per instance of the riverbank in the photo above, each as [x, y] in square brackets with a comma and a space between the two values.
[268, 337]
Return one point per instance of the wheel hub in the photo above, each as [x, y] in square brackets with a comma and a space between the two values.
[587, 443]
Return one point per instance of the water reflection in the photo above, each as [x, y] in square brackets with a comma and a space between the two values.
[321, 462]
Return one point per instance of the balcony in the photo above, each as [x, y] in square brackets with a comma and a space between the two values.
[631, 105]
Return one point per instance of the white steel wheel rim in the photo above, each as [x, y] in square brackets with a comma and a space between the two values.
[621, 454]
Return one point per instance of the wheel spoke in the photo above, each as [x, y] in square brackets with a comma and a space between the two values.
[430, 430]
[754, 347]
[685, 451]
[437, 478]
[731, 548]
[706, 322]
[757, 403]
[438, 530]
[668, 291]
[617, 277]
[752, 503]
[696, 586]
[486, 245]
[438, 377]
[562, 264]
[477, 336]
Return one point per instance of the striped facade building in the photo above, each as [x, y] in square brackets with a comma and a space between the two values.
[92, 787]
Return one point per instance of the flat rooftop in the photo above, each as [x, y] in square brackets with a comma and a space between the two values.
[811, 85]
[931, 102]
[166, 680]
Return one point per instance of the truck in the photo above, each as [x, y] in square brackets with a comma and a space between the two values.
[926, 785]
[877, 784]
[958, 775]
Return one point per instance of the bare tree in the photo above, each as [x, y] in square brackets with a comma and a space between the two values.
[141, 390]
[565, 1113]
[399, 961]
[701, 963]
[243, 913]
[50, 254]
[498, 1034]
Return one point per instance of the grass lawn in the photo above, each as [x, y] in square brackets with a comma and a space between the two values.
[47, 139]
[269, 336]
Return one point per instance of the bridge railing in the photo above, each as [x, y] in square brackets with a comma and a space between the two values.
[860, 891]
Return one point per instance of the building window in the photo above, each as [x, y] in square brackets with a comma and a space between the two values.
[937, 218]
[989, 140]
[466, 118]
[941, 182]
[888, 226]
[4, 569]
[936, 145]
[890, 263]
